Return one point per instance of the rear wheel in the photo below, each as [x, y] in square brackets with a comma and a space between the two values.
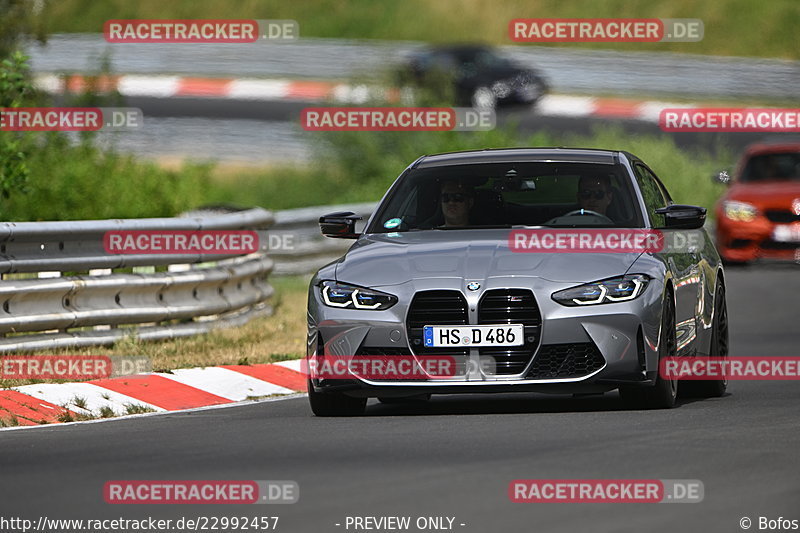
[334, 403]
[420, 398]
[663, 394]
[713, 388]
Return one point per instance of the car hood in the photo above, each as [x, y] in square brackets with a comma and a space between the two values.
[394, 258]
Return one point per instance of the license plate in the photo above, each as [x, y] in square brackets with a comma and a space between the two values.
[786, 233]
[461, 336]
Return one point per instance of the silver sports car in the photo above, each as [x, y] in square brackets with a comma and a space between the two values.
[533, 269]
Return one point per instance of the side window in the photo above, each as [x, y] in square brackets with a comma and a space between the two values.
[654, 196]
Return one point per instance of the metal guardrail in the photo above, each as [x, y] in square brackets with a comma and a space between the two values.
[95, 305]
[568, 70]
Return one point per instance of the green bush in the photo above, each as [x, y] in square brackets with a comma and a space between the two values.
[83, 182]
[43, 176]
[15, 90]
[368, 162]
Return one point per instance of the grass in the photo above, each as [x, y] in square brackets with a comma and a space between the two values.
[79, 401]
[83, 182]
[378, 158]
[732, 27]
[360, 166]
[136, 409]
[349, 167]
[67, 416]
[11, 421]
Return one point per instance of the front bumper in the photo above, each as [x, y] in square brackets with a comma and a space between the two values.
[563, 358]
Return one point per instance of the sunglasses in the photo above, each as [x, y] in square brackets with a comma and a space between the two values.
[453, 197]
[596, 194]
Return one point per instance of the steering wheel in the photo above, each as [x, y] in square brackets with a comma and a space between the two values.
[584, 212]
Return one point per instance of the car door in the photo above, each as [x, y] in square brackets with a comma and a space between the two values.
[684, 265]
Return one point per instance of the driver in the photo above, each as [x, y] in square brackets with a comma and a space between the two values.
[594, 193]
[457, 200]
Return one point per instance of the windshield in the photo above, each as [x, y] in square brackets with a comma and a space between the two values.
[509, 195]
[781, 167]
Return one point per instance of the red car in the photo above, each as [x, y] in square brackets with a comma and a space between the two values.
[759, 216]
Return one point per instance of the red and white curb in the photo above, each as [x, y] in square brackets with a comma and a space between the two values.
[176, 391]
[178, 86]
[315, 91]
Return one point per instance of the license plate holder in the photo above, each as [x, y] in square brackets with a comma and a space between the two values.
[473, 336]
[786, 233]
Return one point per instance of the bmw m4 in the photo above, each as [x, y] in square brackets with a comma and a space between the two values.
[442, 268]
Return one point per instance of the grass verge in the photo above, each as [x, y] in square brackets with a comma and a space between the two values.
[360, 166]
[732, 27]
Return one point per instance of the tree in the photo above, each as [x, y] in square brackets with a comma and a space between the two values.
[15, 90]
[20, 19]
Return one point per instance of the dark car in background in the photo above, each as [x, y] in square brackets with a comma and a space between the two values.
[759, 215]
[474, 75]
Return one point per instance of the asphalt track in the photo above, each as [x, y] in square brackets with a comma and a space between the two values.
[455, 456]
[524, 117]
[255, 132]
[568, 70]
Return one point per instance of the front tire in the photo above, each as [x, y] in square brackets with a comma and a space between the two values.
[334, 403]
[663, 394]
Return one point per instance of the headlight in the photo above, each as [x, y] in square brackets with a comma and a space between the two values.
[607, 291]
[740, 211]
[347, 296]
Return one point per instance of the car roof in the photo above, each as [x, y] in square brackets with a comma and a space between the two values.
[772, 146]
[460, 48]
[522, 155]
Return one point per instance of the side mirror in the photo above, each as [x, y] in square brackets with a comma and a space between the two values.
[722, 177]
[340, 225]
[679, 216]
